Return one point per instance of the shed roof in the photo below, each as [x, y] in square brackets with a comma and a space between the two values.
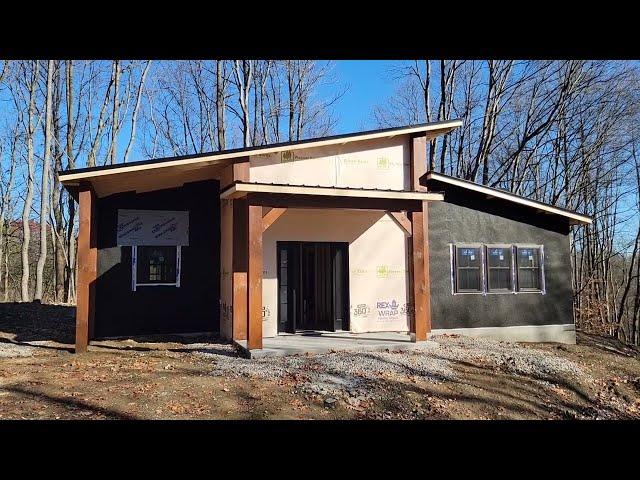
[430, 178]
[70, 177]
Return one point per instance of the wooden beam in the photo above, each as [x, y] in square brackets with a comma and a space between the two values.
[312, 201]
[240, 266]
[418, 163]
[271, 216]
[254, 278]
[402, 220]
[87, 258]
[237, 172]
[421, 323]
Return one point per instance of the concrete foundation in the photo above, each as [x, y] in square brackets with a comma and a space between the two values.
[325, 342]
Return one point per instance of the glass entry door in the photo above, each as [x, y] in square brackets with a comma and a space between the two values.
[313, 286]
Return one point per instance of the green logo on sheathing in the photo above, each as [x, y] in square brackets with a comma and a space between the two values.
[290, 156]
[383, 163]
[384, 271]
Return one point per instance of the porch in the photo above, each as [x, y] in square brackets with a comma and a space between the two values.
[301, 343]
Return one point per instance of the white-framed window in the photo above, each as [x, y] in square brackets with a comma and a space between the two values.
[467, 264]
[153, 266]
[497, 268]
[530, 268]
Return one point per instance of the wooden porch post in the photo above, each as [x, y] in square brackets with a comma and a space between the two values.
[87, 267]
[254, 278]
[236, 172]
[240, 268]
[421, 323]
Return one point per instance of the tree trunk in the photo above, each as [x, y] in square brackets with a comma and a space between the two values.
[26, 209]
[44, 195]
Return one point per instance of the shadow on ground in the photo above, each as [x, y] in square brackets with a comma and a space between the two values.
[52, 325]
[30, 322]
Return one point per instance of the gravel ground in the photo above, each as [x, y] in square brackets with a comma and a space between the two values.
[10, 350]
[350, 375]
[450, 377]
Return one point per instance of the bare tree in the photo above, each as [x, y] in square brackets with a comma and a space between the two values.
[44, 191]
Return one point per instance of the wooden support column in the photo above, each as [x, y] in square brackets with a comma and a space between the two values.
[240, 266]
[421, 323]
[254, 278]
[87, 258]
[238, 172]
[419, 246]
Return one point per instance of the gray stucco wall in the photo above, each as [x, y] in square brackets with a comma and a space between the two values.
[466, 218]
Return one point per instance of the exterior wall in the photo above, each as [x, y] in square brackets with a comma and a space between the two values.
[378, 278]
[467, 218]
[381, 164]
[194, 306]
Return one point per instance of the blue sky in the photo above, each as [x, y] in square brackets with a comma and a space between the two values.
[369, 84]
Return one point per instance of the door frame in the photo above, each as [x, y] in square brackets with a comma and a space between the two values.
[297, 309]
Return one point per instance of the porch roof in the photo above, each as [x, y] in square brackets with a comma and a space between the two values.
[242, 189]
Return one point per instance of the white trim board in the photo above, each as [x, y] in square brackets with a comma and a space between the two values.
[563, 333]
[241, 189]
[492, 192]
[440, 128]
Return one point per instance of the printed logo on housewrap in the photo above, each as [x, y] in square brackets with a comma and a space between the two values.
[130, 226]
[361, 310]
[292, 156]
[352, 161]
[385, 163]
[359, 271]
[385, 271]
[388, 309]
[152, 227]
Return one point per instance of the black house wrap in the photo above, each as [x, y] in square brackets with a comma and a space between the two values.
[469, 217]
[194, 306]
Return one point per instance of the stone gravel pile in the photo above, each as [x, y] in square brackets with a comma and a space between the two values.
[11, 350]
[510, 357]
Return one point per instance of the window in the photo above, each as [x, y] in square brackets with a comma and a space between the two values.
[529, 261]
[155, 265]
[499, 269]
[468, 267]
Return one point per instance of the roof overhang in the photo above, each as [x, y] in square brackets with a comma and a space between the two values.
[574, 217]
[242, 189]
[168, 171]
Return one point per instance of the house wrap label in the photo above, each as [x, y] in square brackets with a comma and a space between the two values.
[152, 227]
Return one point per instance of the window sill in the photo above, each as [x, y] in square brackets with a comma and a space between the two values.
[156, 285]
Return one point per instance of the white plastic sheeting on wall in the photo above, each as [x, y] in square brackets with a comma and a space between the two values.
[152, 227]
[378, 278]
[376, 164]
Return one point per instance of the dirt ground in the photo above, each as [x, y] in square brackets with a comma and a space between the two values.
[204, 378]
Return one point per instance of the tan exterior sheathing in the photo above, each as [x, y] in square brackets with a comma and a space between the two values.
[373, 164]
[226, 265]
[378, 276]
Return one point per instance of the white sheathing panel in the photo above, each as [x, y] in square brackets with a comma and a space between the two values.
[375, 164]
[226, 259]
[378, 276]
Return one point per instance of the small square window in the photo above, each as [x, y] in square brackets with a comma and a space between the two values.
[156, 265]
